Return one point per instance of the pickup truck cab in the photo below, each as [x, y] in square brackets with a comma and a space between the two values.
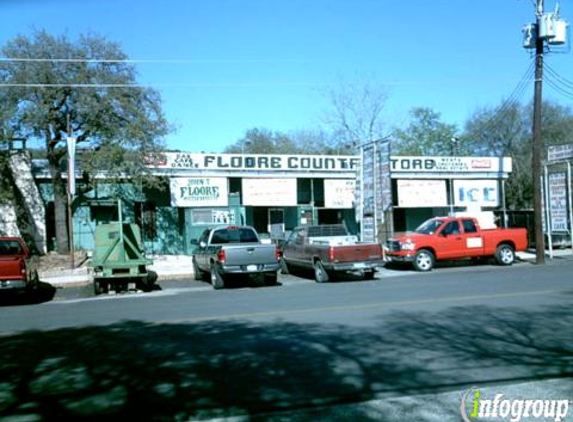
[447, 238]
[328, 250]
[17, 274]
[225, 251]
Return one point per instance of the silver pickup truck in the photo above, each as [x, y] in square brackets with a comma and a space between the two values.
[227, 251]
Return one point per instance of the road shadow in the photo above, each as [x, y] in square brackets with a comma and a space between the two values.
[164, 372]
[45, 292]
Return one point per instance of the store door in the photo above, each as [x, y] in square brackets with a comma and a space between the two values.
[276, 223]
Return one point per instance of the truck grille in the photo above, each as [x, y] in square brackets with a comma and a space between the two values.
[393, 245]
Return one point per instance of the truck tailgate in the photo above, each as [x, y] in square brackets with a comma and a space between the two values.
[357, 253]
[10, 268]
[249, 254]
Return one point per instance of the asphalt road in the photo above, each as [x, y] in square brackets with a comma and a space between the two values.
[404, 346]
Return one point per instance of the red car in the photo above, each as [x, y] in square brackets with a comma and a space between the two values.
[17, 273]
[446, 238]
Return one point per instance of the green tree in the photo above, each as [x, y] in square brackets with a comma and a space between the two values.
[54, 87]
[265, 141]
[505, 130]
[425, 135]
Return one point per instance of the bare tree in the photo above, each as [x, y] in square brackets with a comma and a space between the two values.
[355, 114]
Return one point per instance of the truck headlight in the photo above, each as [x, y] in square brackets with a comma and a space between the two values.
[408, 245]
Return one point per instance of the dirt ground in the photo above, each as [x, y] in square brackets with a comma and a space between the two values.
[53, 261]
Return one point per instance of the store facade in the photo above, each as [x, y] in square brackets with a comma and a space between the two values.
[424, 187]
[275, 193]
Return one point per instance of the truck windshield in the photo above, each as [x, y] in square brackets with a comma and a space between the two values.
[429, 227]
[232, 235]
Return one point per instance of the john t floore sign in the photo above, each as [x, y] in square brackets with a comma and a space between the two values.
[199, 192]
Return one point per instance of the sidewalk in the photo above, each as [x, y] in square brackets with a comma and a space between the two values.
[530, 254]
[167, 267]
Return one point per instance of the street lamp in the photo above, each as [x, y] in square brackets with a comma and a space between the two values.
[454, 140]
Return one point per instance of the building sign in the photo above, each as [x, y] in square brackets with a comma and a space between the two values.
[558, 202]
[255, 162]
[450, 164]
[339, 193]
[422, 193]
[483, 193]
[269, 192]
[199, 192]
[557, 153]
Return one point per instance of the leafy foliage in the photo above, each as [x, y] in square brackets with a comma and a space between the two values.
[55, 87]
[264, 141]
[425, 135]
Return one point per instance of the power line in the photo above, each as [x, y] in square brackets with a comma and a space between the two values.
[556, 75]
[151, 61]
[513, 98]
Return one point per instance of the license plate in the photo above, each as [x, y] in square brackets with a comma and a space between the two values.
[360, 265]
[251, 268]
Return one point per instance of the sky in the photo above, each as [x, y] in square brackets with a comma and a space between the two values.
[225, 66]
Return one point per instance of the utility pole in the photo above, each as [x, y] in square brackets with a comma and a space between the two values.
[537, 141]
[71, 191]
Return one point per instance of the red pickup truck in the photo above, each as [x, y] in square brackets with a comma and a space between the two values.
[329, 249]
[17, 274]
[446, 238]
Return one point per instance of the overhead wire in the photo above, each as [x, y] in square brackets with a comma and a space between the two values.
[514, 97]
[558, 82]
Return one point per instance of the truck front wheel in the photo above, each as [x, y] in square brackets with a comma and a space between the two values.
[424, 260]
[504, 255]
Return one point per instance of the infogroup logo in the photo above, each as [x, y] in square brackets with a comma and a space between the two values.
[474, 407]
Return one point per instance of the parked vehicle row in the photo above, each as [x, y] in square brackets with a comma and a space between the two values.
[225, 253]
[330, 251]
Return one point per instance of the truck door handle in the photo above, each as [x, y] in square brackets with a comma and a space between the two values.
[250, 250]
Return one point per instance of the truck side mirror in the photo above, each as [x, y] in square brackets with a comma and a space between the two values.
[194, 242]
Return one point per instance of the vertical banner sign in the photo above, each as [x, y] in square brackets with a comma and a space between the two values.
[384, 179]
[373, 190]
[558, 202]
[367, 191]
[71, 165]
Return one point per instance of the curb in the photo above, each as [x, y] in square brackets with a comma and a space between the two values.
[87, 281]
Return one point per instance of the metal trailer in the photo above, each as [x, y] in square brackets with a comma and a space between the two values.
[118, 261]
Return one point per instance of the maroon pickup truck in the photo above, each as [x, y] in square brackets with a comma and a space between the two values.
[17, 274]
[328, 250]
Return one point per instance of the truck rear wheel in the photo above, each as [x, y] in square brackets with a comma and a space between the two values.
[504, 255]
[424, 260]
[216, 278]
[320, 274]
